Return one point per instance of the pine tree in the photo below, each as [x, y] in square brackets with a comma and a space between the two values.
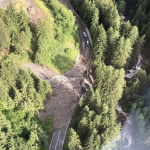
[83, 124]
[121, 6]
[112, 18]
[4, 36]
[133, 35]
[100, 44]
[94, 23]
[4, 136]
[2, 13]
[112, 37]
[126, 29]
[88, 11]
[73, 141]
[23, 20]
[11, 19]
[109, 83]
[93, 141]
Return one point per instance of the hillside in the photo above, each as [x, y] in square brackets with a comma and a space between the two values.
[63, 38]
[31, 8]
[120, 31]
[45, 74]
[31, 31]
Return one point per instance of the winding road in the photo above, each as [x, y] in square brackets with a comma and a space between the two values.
[59, 134]
[67, 88]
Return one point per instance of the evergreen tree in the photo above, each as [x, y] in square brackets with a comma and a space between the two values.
[109, 82]
[12, 19]
[2, 13]
[122, 53]
[112, 38]
[23, 20]
[121, 6]
[4, 36]
[126, 29]
[133, 35]
[94, 23]
[93, 140]
[74, 141]
[100, 45]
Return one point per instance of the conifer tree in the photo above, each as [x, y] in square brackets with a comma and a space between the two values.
[122, 53]
[121, 6]
[23, 20]
[126, 29]
[2, 13]
[112, 38]
[4, 36]
[133, 35]
[74, 141]
[94, 23]
[109, 83]
[100, 44]
[93, 140]
[11, 19]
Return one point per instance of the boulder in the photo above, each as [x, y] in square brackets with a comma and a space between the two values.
[86, 86]
[31, 10]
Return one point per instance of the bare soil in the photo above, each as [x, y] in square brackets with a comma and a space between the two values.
[34, 16]
[4, 3]
[66, 90]
[67, 87]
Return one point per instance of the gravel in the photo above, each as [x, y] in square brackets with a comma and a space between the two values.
[66, 90]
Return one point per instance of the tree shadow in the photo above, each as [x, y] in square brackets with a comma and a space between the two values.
[63, 63]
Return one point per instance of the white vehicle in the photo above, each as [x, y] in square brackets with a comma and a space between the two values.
[84, 34]
[87, 43]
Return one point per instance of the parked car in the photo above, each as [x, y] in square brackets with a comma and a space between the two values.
[87, 43]
[84, 34]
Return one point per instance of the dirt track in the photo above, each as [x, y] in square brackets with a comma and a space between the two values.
[67, 87]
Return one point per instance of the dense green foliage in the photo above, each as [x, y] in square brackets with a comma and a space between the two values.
[139, 82]
[53, 42]
[4, 34]
[95, 119]
[59, 44]
[22, 94]
[49, 43]
[116, 43]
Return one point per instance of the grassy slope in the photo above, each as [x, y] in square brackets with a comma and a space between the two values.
[58, 59]
[62, 54]
[21, 3]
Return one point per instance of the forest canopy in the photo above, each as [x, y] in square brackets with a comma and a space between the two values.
[119, 30]
[23, 93]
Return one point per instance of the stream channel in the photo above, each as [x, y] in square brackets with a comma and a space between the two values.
[126, 119]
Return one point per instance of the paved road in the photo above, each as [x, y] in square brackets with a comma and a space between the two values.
[84, 49]
[59, 134]
[59, 137]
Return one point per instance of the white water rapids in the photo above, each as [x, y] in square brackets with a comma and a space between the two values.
[125, 132]
[135, 69]
[126, 135]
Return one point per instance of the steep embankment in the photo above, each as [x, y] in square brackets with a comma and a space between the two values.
[30, 7]
[66, 90]
[60, 46]
[67, 87]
